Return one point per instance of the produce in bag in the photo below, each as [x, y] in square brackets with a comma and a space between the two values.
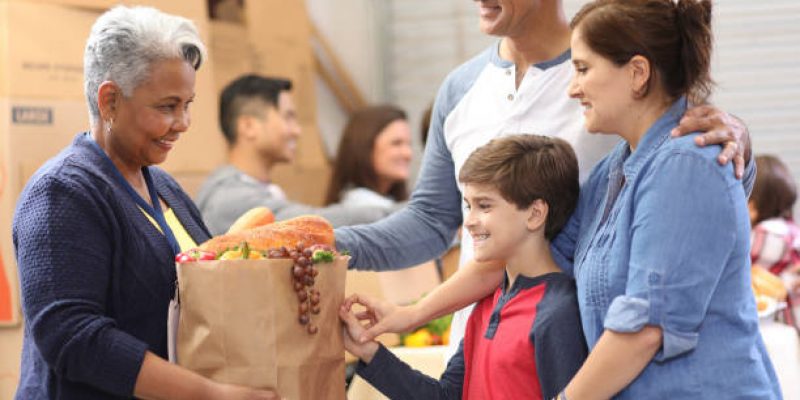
[264, 313]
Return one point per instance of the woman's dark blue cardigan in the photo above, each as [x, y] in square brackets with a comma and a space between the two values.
[96, 277]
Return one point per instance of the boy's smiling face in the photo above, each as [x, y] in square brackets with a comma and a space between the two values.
[497, 226]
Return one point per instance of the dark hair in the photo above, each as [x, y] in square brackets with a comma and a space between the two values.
[247, 95]
[425, 124]
[353, 163]
[774, 191]
[675, 37]
[524, 168]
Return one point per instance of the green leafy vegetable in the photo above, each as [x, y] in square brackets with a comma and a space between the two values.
[322, 256]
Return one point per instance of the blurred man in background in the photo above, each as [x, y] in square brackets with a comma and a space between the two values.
[259, 121]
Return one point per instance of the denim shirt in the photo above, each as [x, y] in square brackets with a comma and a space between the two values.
[661, 237]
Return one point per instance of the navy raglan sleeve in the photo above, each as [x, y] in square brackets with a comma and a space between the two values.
[397, 380]
[557, 337]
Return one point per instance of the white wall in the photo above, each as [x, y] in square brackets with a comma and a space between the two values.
[757, 70]
[353, 28]
[426, 40]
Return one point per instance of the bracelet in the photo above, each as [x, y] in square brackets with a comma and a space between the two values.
[562, 395]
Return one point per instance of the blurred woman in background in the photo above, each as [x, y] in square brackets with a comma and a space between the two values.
[373, 161]
[371, 169]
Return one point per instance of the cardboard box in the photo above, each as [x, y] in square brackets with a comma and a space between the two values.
[43, 107]
[305, 184]
[288, 52]
[43, 63]
[48, 63]
[231, 52]
[281, 45]
[192, 9]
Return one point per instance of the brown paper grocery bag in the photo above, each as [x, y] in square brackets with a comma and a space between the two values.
[239, 324]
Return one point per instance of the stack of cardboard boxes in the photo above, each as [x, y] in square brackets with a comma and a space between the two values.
[42, 104]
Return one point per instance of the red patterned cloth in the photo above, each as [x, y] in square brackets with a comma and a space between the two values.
[775, 244]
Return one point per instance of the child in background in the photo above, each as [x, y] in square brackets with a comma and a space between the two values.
[519, 190]
[775, 239]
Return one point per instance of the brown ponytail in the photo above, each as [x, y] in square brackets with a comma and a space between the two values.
[675, 38]
[694, 26]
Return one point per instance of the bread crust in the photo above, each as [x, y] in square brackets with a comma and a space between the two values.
[307, 230]
[255, 217]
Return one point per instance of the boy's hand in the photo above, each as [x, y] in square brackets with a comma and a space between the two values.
[376, 309]
[382, 316]
[352, 331]
[718, 127]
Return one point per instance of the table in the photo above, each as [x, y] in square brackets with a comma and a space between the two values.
[428, 360]
[783, 346]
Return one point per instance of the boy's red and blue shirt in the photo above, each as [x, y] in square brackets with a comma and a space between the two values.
[522, 342]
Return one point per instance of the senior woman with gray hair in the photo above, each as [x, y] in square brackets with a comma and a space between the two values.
[97, 228]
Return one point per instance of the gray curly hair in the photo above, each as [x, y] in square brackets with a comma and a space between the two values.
[126, 41]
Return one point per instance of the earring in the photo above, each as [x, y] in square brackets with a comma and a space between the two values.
[109, 125]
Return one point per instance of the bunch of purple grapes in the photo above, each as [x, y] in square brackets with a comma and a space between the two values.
[303, 274]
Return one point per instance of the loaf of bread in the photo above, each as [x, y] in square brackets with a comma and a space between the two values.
[255, 217]
[307, 230]
[766, 283]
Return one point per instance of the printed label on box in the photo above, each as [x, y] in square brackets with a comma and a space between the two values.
[32, 115]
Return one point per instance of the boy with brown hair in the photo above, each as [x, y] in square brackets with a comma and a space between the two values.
[524, 340]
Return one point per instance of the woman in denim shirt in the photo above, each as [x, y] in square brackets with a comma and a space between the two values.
[660, 239]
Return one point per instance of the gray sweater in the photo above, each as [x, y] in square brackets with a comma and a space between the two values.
[229, 193]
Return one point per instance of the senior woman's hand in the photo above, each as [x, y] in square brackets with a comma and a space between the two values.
[159, 379]
[232, 392]
[718, 127]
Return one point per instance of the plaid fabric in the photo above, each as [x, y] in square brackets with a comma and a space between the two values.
[775, 244]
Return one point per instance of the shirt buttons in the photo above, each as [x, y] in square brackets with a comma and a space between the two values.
[510, 97]
[508, 71]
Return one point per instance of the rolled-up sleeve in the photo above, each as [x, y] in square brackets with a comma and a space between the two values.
[682, 235]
